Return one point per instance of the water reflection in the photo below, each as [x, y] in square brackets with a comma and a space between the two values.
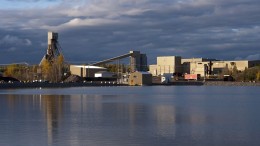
[128, 120]
[52, 108]
[165, 116]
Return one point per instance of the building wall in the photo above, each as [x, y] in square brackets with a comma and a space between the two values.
[197, 68]
[174, 64]
[241, 65]
[85, 71]
[139, 78]
[161, 69]
[135, 61]
[104, 74]
[143, 60]
[218, 66]
[138, 62]
[166, 64]
[178, 65]
[153, 70]
[191, 60]
[190, 65]
[188, 68]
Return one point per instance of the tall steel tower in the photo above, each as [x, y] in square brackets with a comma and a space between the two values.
[54, 49]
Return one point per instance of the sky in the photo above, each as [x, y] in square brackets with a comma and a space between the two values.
[94, 30]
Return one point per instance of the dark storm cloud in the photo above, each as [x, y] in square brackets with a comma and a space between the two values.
[96, 30]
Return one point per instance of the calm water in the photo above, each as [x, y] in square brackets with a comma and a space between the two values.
[131, 116]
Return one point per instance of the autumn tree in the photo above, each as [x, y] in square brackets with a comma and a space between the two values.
[11, 70]
[258, 76]
[53, 70]
[60, 60]
[46, 69]
[17, 71]
[249, 74]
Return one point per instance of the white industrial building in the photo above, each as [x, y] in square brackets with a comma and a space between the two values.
[85, 70]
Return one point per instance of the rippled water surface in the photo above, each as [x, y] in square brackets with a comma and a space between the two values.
[131, 116]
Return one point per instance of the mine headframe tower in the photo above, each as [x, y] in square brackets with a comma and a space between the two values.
[53, 50]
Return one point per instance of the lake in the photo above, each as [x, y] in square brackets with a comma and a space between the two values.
[131, 116]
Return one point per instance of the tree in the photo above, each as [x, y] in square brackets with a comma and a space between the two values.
[258, 76]
[244, 74]
[235, 72]
[60, 60]
[53, 70]
[46, 69]
[11, 70]
[19, 72]
[58, 67]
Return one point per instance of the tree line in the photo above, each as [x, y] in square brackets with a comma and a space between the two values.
[48, 71]
[249, 74]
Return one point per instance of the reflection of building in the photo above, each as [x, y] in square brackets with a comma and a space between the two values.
[165, 117]
[52, 106]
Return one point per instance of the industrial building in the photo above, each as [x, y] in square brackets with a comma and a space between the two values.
[186, 63]
[166, 64]
[85, 70]
[138, 63]
[140, 78]
[217, 67]
[105, 74]
[201, 66]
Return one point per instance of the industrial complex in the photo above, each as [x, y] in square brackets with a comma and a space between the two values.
[201, 66]
[136, 72]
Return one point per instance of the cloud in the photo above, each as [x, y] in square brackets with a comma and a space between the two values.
[78, 22]
[249, 57]
[12, 49]
[14, 40]
[99, 29]
[253, 57]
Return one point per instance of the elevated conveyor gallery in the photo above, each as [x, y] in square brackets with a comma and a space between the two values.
[111, 59]
[138, 62]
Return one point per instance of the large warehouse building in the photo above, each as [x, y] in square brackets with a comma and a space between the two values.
[175, 64]
[217, 67]
[85, 70]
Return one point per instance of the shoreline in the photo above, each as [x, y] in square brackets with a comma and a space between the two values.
[233, 83]
[55, 85]
[107, 84]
